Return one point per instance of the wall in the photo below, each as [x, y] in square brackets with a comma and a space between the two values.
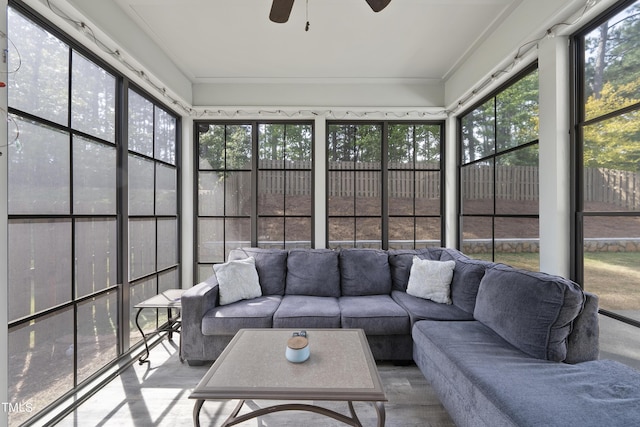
[372, 93]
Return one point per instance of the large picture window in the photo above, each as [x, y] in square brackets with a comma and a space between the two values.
[383, 184]
[255, 188]
[67, 251]
[499, 191]
[608, 161]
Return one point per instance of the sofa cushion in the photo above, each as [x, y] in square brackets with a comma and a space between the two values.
[421, 309]
[271, 265]
[237, 280]
[375, 314]
[532, 311]
[400, 262]
[431, 280]
[229, 319]
[467, 275]
[301, 312]
[313, 272]
[364, 272]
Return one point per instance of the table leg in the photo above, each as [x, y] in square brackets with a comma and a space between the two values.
[381, 413]
[196, 412]
[145, 357]
[170, 325]
[231, 419]
[354, 416]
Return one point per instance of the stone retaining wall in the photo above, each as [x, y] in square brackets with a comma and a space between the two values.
[533, 245]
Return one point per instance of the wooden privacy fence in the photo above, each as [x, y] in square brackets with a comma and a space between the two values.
[349, 179]
[614, 187]
[517, 183]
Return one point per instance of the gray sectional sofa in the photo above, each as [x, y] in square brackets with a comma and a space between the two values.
[513, 348]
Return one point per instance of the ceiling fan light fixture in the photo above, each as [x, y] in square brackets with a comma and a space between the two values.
[280, 11]
[378, 5]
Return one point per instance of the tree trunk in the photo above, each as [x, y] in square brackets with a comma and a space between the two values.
[601, 50]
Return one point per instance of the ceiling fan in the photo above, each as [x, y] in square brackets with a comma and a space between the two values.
[281, 9]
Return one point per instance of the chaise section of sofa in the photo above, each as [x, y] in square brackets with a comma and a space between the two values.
[509, 366]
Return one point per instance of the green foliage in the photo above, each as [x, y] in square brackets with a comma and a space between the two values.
[230, 146]
[355, 142]
[409, 143]
[612, 83]
[508, 120]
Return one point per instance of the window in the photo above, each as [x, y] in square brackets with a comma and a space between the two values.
[608, 161]
[67, 254]
[499, 175]
[285, 185]
[383, 184]
[153, 208]
[255, 188]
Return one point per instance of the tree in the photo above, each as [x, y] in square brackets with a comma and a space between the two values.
[611, 53]
[613, 143]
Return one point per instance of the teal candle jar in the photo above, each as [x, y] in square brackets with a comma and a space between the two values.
[297, 349]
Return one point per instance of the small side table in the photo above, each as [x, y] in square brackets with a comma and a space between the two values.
[169, 299]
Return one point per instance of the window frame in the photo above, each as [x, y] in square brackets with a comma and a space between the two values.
[254, 169]
[495, 154]
[578, 123]
[384, 181]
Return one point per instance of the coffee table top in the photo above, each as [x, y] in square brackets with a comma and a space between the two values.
[253, 366]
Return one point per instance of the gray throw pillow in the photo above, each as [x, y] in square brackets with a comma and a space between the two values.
[237, 280]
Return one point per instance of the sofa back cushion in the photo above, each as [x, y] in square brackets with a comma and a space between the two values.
[364, 272]
[400, 262]
[271, 265]
[313, 272]
[532, 311]
[467, 275]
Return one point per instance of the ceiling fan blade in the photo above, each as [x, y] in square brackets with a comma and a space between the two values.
[378, 5]
[280, 10]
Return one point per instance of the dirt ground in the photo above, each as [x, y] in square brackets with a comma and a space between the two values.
[474, 227]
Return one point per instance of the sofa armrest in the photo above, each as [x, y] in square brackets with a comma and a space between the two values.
[583, 341]
[195, 302]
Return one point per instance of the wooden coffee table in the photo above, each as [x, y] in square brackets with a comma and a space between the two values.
[253, 367]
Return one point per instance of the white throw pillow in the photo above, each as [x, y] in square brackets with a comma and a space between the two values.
[237, 280]
[431, 280]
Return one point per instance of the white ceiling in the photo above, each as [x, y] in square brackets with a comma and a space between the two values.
[217, 41]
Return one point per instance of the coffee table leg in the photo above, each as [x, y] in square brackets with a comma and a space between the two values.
[231, 419]
[354, 416]
[381, 413]
[196, 412]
